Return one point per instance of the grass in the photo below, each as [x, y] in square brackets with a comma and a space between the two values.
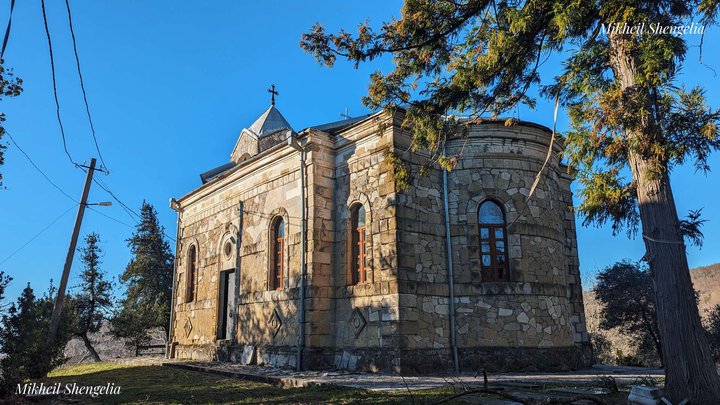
[164, 385]
[154, 384]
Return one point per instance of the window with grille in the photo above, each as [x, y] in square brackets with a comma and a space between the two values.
[493, 242]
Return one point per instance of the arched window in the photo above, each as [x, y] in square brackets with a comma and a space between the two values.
[358, 273]
[493, 242]
[191, 273]
[277, 269]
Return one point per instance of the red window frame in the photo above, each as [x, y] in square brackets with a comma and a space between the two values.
[278, 264]
[358, 253]
[494, 248]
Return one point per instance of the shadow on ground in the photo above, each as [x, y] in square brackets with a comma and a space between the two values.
[157, 384]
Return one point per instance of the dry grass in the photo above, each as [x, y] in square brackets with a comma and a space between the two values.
[164, 385]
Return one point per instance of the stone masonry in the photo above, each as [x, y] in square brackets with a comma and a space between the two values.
[398, 319]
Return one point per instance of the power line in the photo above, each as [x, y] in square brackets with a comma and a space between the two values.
[124, 206]
[82, 86]
[111, 218]
[38, 234]
[7, 31]
[38, 169]
[70, 197]
[58, 187]
[52, 69]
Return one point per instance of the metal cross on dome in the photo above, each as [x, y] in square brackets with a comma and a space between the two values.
[274, 93]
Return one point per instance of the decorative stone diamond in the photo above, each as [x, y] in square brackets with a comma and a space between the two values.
[188, 327]
[275, 322]
[357, 322]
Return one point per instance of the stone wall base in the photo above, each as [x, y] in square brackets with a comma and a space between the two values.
[206, 352]
[500, 359]
[492, 359]
[405, 361]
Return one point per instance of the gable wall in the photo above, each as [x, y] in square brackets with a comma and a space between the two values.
[271, 189]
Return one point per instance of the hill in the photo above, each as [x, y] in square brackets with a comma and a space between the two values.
[706, 281]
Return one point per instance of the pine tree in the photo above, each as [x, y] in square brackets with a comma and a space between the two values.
[94, 299]
[148, 277]
[627, 115]
[23, 339]
[4, 281]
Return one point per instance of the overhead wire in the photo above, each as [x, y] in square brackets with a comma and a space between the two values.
[54, 83]
[52, 183]
[7, 31]
[82, 87]
[110, 217]
[131, 213]
[37, 234]
[38, 168]
[124, 206]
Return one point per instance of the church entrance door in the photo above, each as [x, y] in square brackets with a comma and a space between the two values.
[226, 302]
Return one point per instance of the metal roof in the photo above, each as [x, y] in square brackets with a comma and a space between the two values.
[333, 127]
[270, 121]
[210, 174]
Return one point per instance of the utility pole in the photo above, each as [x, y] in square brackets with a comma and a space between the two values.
[60, 298]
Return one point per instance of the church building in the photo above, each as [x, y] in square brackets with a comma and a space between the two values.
[302, 252]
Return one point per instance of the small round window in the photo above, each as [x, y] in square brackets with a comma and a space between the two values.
[228, 249]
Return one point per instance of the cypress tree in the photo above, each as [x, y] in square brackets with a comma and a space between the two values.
[148, 277]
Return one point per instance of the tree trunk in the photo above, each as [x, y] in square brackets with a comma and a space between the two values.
[689, 369]
[89, 347]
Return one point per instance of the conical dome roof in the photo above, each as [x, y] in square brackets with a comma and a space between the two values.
[270, 121]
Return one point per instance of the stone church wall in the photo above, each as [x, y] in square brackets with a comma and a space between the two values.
[530, 321]
[399, 319]
[366, 318]
[266, 319]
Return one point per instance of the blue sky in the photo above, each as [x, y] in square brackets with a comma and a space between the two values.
[171, 84]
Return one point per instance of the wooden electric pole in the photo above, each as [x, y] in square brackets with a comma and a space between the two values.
[60, 297]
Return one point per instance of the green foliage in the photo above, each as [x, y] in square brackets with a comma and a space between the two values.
[94, 300]
[476, 56]
[400, 171]
[23, 339]
[10, 86]
[627, 299]
[148, 277]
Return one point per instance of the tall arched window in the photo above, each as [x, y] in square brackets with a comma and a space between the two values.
[191, 273]
[493, 242]
[358, 272]
[277, 270]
